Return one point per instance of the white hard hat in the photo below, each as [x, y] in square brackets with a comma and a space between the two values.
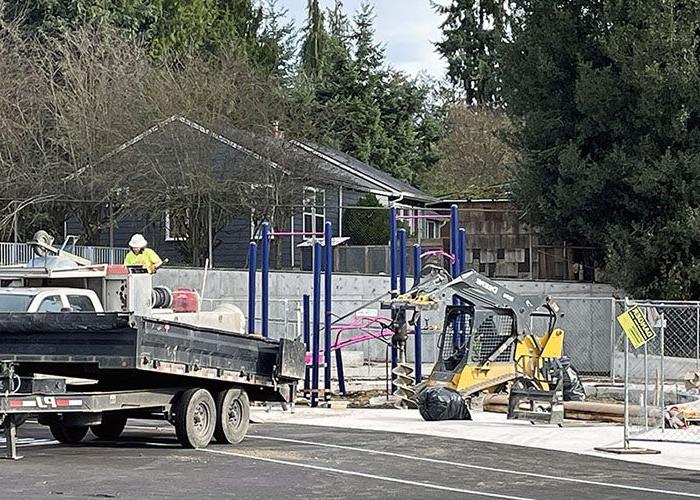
[138, 241]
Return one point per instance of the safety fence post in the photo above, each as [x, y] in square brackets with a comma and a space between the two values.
[265, 292]
[417, 337]
[252, 268]
[316, 351]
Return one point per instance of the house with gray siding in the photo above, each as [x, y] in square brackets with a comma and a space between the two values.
[331, 181]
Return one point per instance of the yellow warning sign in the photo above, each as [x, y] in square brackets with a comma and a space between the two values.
[636, 327]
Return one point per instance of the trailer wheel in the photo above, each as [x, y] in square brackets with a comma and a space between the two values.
[111, 427]
[233, 408]
[68, 435]
[195, 418]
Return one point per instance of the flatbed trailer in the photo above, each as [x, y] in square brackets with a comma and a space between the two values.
[199, 379]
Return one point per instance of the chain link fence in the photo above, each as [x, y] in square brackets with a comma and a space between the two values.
[661, 376]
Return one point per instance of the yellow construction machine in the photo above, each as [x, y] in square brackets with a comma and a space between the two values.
[487, 342]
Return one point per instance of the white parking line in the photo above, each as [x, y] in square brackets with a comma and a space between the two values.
[362, 474]
[478, 467]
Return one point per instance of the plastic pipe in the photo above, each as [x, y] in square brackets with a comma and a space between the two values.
[316, 324]
[328, 299]
[252, 268]
[306, 321]
[265, 279]
[418, 338]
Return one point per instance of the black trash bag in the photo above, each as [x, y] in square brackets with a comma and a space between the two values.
[573, 387]
[442, 403]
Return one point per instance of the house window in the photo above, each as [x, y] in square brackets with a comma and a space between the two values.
[314, 211]
[432, 230]
[176, 225]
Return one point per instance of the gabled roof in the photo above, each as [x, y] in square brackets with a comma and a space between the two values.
[334, 166]
[378, 179]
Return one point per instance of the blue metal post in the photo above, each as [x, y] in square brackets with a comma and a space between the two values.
[328, 299]
[306, 322]
[454, 239]
[402, 261]
[454, 250]
[417, 337]
[393, 279]
[265, 279]
[252, 268]
[315, 352]
[462, 260]
[462, 250]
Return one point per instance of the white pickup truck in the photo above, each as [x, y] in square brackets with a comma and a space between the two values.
[31, 300]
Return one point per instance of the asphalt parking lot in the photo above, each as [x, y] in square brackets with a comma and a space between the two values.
[299, 461]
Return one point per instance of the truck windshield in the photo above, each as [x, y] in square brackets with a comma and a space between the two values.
[15, 303]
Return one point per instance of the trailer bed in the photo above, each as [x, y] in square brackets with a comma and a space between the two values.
[125, 353]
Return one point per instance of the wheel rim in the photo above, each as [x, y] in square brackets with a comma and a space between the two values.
[235, 414]
[201, 417]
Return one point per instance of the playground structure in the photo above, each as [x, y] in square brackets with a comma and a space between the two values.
[404, 376]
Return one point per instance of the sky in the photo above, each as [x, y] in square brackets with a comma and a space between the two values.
[407, 28]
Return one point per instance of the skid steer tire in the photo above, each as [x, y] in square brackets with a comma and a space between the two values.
[233, 409]
[195, 418]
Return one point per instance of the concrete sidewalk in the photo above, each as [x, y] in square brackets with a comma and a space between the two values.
[574, 437]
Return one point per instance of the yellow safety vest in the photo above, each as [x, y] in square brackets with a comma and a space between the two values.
[147, 258]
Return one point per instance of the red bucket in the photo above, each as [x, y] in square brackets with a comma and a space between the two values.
[185, 300]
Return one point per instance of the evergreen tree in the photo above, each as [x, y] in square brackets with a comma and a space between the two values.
[314, 44]
[606, 93]
[473, 32]
[172, 29]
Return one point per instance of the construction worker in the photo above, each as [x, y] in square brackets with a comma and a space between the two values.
[140, 254]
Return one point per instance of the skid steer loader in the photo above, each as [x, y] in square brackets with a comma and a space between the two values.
[487, 343]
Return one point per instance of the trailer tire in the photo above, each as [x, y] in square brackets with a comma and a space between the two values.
[233, 409]
[68, 435]
[195, 418]
[111, 427]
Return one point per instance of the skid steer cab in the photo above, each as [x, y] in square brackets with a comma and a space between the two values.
[487, 343]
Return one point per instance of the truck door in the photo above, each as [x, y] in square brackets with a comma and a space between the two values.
[51, 303]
